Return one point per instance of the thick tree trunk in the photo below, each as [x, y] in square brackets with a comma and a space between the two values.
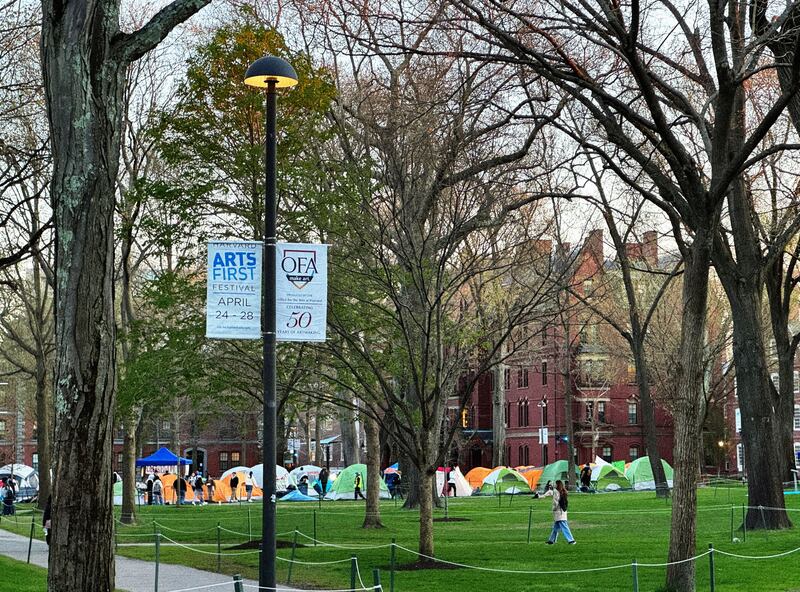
[761, 429]
[347, 424]
[649, 416]
[372, 513]
[128, 512]
[687, 413]
[425, 492]
[411, 484]
[499, 416]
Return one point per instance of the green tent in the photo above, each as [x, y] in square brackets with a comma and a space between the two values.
[504, 480]
[641, 476]
[619, 464]
[556, 471]
[344, 485]
[609, 477]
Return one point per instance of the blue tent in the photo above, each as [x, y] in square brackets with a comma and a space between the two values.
[162, 457]
[296, 496]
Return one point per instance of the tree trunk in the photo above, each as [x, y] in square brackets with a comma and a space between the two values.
[648, 416]
[425, 492]
[499, 416]
[372, 513]
[349, 435]
[761, 429]
[411, 484]
[44, 427]
[688, 403]
[128, 512]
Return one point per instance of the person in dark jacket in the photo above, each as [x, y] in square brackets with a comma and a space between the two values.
[47, 522]
[357, 485]
[323, 482]
[586, 477]
[235, 487]
[180, 488]
[149, 485]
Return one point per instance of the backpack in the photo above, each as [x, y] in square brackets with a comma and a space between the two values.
[563, 502]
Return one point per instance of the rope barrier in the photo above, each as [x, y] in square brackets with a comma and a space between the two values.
[209, 552]
[206, 587]
[185, 531]
[358, 573]
[668, 563]
[351, 547]
[775, 556]
[284, 589]
[311, 562]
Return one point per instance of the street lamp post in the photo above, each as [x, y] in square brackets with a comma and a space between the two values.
[542, 405]
[270, 73]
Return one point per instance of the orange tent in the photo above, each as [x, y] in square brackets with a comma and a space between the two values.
[476, 476]
[223, 486]
[532, 476]
[168, 483]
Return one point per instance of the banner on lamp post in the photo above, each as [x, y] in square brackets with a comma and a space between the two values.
[301, 291]
[233, 290]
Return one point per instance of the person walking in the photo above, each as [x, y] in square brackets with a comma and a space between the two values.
[451, 481]
[149, 488]
[180, 487]
[323, 482]
[210, 487]
[158, 491]
[198, 489]
[248, 486]
[586, 477]
[47, 522]
[234, 487]
[357, 487]
[560, 503]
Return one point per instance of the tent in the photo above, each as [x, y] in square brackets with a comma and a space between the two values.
[281, 474]
[620, 464]
[223, 486]
[27, 479]
[476, 476]
[160, 460]
[640, 474]
[462, 487]
[296, 496]
[556, 471]
[310, 471]
[609, 478]
[239, 469]
[395, 468]
[532, 476]
[344, 485]
[506, 481]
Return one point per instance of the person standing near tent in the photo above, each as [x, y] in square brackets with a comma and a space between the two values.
[357, 487]
[560, 503]
[586, 477]
[47, 522]
[158, 491]
[323, 482]
[210, 486]
[451, 481]
[149, 488]
[234, 487]
[248, 486]
[180, 487]
[198, 489]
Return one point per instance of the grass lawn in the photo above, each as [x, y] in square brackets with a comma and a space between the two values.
[611, 530]
[21, 577]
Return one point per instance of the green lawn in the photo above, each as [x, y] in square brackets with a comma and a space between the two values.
[611, 529]
[21, 577]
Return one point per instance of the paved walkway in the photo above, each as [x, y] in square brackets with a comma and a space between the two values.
[132, 575]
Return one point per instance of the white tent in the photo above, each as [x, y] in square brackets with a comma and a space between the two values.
[462, 485]
[27, 479]
[282, 483]
[238, 469]
[598, 464]
[310, 471]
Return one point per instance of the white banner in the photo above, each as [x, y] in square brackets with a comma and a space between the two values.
[233, 290]
[302, 292]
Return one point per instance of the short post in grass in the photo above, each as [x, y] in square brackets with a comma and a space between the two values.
[731, 523]
[376, 579]
[30, 540]
[764, 522]
[744, 524]
[291, 560]
[353, 568]
[249, 526]
[446, 496]
[711, 581]
[530, 520]
[238, 586]
[158, 557]
[635, 568]
[315, 528]
[392, 563]
[219, 550]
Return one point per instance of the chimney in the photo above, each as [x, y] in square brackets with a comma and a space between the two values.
[594, 244]
[650, 248]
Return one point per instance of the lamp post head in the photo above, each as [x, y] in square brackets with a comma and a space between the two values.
[721, 444]
[270, 69]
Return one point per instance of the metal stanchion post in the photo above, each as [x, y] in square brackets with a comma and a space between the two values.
[376, 579]
[249, 526]
[530, 518]
[219, 550]
[30, 540]
[635, 567]
[712, 583]
[353, 568]
[315, 528]
[237, 583]
[392, 563]
[291, 561]
[158, 557]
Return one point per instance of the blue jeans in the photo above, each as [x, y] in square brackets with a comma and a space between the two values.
[561, 525]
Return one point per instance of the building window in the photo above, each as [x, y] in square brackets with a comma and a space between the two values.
[606, 453]
[797, 417]
[740, 457]
[633, 452]
[224, 464]
[797, 454]
[589, 411]
[544, 372]
[738, 421]
[522, 413]
[796, 381]
[507, 414]
[544, 455]
[522, 378]
[601, 412]
[524, 455]
[544, 335]
[508, 454]
[119, 462]
[2, 427]
[633, 414]
[507, 380]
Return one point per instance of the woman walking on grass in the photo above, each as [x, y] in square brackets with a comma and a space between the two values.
[560, 503]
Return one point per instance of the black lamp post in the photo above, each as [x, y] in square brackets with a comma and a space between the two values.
[271, 73]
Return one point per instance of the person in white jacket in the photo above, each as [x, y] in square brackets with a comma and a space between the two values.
[560, 502]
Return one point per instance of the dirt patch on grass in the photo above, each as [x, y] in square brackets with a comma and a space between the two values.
[255, 545]
[424, 564]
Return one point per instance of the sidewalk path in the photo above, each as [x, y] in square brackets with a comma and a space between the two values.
[132, 575]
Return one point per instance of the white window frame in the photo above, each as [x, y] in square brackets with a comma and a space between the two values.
[797, 418]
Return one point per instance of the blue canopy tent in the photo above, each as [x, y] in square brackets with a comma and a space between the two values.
[162, 457]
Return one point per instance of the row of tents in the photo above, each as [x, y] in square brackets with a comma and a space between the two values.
[636, 475]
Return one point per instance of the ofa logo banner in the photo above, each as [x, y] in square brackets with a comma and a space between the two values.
[302, 291]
